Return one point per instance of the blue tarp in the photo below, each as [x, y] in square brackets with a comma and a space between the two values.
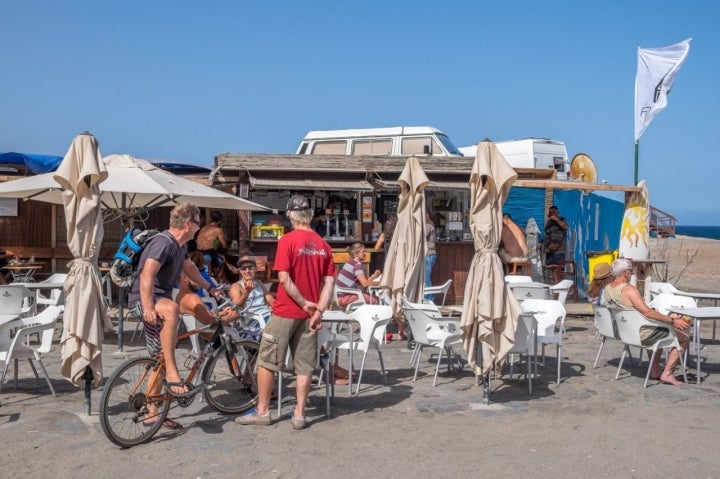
[35, 163]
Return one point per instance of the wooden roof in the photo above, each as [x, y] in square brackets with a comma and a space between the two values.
[386, 168]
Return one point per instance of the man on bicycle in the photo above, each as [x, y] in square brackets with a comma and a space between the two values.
[162, 261]
[307, 274]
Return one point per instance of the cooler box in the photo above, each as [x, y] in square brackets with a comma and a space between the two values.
[595, 257]
[266, 232]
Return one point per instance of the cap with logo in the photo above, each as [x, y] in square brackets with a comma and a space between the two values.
[298, 203]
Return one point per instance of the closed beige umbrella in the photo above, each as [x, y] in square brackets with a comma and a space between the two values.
[404, 269]
[79, 174]
[490, 311]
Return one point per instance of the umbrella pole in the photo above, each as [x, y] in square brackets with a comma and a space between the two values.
[485, 377]
[88, 377]
[121, 301]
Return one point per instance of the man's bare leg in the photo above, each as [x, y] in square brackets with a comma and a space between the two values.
[303, 390]
[168, 311]
[668, 376]
[265, 380]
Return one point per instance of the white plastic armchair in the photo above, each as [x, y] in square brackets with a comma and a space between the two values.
[606, 329]
[550, 317]
[359, 301]
[516, 278]
[657, 288]
[56, 295]
[562, 289]
[429, 331]
[664, 301]
[522, 345]
[18, 348]
[12, 299]
[629, 323]
[439, 289]
[372, 319]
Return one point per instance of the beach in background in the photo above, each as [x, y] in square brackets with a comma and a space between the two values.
[693, 263]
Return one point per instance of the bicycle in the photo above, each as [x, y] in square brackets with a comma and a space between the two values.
[227, 379]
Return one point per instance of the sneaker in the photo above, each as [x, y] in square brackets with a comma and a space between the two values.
[253, 419]
[298, 423]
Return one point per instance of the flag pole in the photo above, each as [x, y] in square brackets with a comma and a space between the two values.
[637, 145]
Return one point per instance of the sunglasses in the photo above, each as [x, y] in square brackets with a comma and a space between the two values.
[247, 268]
[193, 220]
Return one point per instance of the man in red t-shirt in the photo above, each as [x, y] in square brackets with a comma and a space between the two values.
[306, 272]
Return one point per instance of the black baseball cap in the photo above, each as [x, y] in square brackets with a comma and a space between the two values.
[298, 203]
[246, 260]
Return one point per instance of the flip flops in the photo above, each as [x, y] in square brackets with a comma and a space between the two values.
[167, 423]
[181, 384]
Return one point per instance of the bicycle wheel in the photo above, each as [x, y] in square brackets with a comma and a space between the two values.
[123, 404]
[230, 379]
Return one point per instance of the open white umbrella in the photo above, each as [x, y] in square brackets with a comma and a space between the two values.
[490, 311]
[404, 269]
[80, 175]
[133, 185]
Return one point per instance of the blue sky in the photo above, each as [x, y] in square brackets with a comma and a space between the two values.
[185, 80]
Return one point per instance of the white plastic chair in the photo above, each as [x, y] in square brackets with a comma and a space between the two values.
[523, 293]
[657, 288]
[12, 299]
[431, 332]
[606, 329]
[516, 278]
[372, 319]
[338, 290]
[664, 301]
[522, 344]
[562, 289]
[55, 297]
[550, 317]
[18, 348]
[439, 289]
[629, 323]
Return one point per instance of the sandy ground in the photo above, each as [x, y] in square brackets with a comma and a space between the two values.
[590, 425]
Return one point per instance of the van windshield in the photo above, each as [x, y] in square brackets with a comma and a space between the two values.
[452, 149]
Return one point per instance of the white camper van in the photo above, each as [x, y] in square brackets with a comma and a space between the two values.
[396, 141]
[538, 153]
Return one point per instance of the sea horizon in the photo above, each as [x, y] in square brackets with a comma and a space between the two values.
[709, 232]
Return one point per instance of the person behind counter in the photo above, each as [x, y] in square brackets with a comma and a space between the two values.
[319, 222]
[211, 239]
[385, 237]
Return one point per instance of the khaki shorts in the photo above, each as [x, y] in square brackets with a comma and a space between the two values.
[281, 333]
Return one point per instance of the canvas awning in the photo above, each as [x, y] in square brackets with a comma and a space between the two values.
[291, 181]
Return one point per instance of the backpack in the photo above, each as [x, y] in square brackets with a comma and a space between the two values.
[127, 257]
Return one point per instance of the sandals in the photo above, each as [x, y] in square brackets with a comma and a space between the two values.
[167, 423]
[181, 384]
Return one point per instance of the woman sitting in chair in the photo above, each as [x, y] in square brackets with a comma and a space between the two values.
[249, 293]
[352, 275]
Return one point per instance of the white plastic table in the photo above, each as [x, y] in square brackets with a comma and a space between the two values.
[335, 319]
[698, 315]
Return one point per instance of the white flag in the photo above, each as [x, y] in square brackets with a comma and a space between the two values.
[656, 72]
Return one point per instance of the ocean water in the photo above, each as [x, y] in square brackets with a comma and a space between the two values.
[711, 232]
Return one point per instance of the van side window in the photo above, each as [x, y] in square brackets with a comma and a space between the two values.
[336, 147]
[372, 147]
[419, 145]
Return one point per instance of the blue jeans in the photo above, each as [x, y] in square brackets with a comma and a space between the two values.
[429, 263]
